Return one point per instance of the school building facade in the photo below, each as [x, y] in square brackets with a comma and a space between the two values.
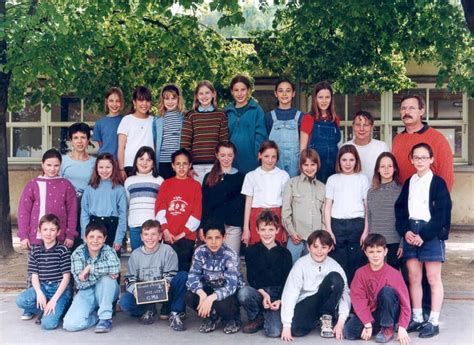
[35, 129]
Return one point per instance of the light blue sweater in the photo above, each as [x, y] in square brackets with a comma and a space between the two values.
[105, 201]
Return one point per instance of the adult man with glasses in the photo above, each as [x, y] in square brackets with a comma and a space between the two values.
[417, 131]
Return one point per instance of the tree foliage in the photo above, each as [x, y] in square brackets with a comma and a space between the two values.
[365, 44]
[87, 46]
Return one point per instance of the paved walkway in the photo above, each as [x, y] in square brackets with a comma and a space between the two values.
[457, 328]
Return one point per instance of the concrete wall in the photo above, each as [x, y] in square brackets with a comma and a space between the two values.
[462, 195]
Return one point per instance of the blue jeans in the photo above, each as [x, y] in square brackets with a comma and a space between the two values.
[297, 250]
[135, 239]
[251, 300]
[386, 314]
[91, 305]
[176, 296]
[27, 301]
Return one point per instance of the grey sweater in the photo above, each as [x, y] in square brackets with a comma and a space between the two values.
[143, 266]
[381, 210]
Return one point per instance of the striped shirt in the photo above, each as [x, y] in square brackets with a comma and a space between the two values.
[171, 135]
[49, 264]
[381, 212]
[202, 132]
[142, 191]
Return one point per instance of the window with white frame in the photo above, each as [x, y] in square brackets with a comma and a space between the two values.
[36, 129]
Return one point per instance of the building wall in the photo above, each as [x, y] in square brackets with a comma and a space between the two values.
[462, 195]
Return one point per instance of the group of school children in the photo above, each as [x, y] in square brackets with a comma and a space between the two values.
[193, 187]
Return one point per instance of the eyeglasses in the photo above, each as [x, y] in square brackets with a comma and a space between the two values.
[411, 108]
[421, 159]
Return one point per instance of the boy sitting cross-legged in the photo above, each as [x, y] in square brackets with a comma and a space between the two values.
[95, 267]
[154, 261]
[379, 297]
[268, 265]
[316, 288]
[50, 267]
[213, 282]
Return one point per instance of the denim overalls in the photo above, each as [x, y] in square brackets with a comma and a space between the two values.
[324, 139]
[286, 135]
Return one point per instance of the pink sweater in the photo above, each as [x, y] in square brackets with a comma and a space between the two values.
[47, 195]
[367, 284]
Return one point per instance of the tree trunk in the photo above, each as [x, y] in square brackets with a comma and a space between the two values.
[6, 245]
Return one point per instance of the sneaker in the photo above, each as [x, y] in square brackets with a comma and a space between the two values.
[253, 326]
[207, 325]
[27, 316]
[384, 335]
[148, 317]
[175, 322]
[165, 311]
[232, 326]
[429, 330]
[414, 326]
[326, 326]
[104, 326]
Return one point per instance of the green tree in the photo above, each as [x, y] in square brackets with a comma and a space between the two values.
[364, 44]
[48, 48]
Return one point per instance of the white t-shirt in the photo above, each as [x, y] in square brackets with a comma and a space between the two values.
[368, 155]
[348, 193]
[139, 133]
[266, 187]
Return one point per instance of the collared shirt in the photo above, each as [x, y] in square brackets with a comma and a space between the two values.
[209, 109]
[419, 197]
[302, 210]
[105, 263]
[265, 187]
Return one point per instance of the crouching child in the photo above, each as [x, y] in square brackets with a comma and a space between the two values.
[316, 288]
[50, 267]
[154, 261]
[95, 267]
[213, 282]
[268, 266]
[379, 297]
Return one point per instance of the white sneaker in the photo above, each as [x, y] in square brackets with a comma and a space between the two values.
[326, 326]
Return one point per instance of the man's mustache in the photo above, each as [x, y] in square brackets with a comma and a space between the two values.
[407, 117]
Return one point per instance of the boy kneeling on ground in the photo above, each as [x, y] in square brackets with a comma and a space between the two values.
[95, 267]
[154, 261]
[213, 282]
[268, 265]
[379, 297]
[316, 288]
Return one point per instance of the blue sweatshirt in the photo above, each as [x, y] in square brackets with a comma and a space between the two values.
[105, 201]
[247, 131]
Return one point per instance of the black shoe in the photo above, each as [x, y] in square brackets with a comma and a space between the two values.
[414, 326]
[429, 330]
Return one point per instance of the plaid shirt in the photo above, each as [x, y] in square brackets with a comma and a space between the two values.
[220, 271]
[106, 263]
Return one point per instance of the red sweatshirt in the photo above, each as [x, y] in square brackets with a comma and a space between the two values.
[178, 206]
[367, 284]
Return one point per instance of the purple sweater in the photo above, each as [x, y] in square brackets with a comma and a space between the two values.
[47, 195]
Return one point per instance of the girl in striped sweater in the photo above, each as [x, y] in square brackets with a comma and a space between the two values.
[142, 190]
[203, 128]
[167, 128]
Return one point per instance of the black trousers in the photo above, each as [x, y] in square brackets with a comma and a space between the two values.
[165, 170]
[185, 249]
[347, 251]
[325, 301]
[227, 309]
